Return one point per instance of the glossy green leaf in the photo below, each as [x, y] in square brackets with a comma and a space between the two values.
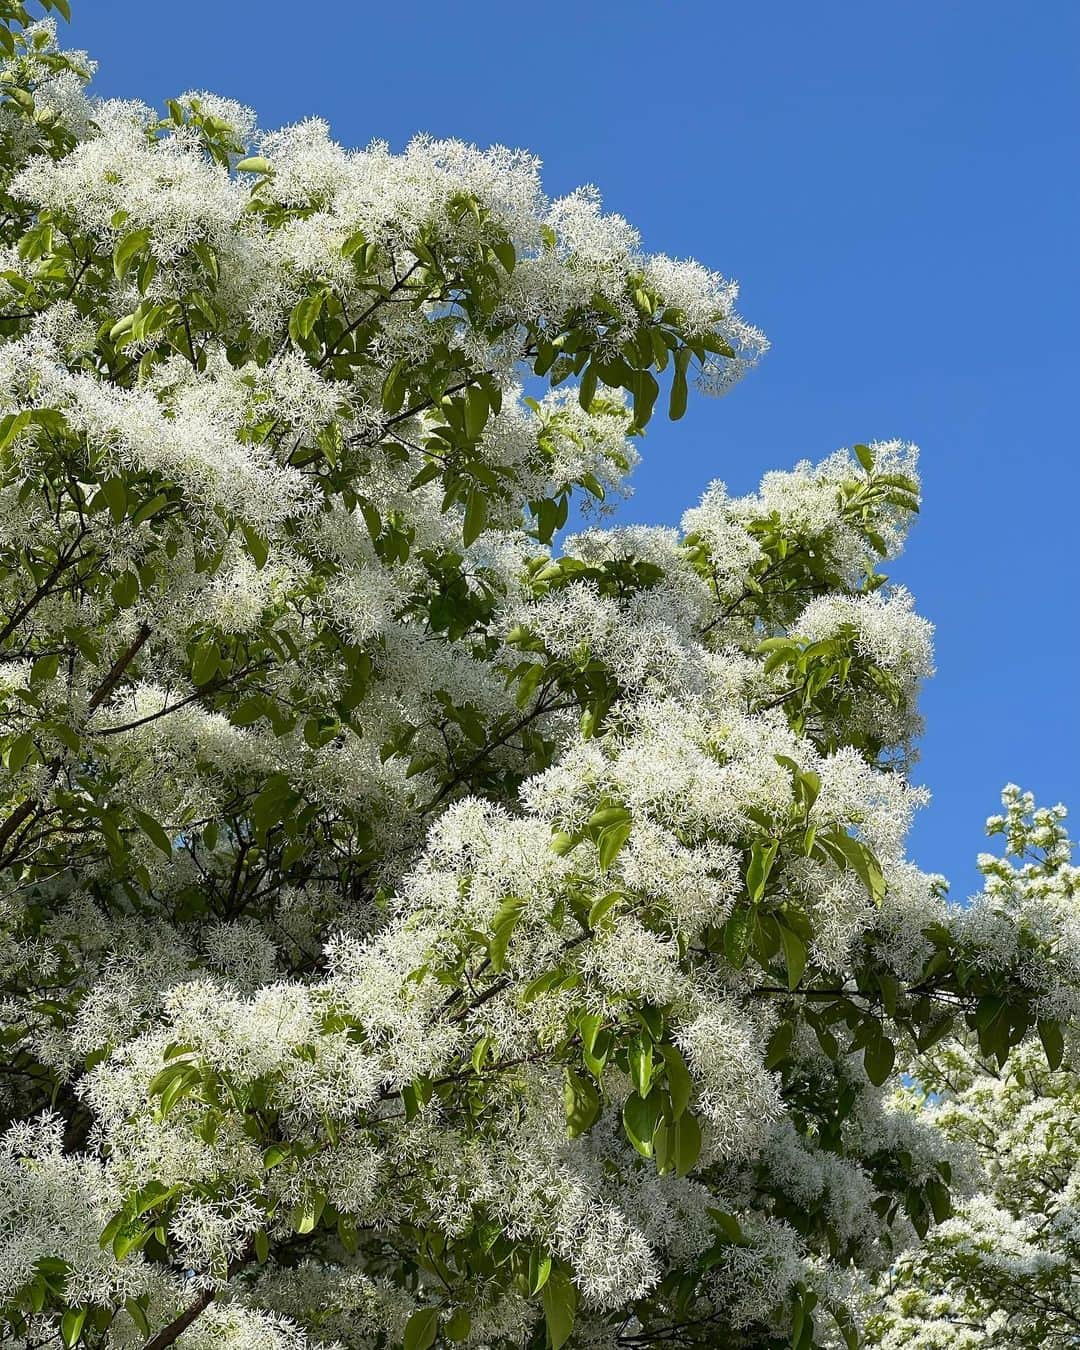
[795, 955]
[476, 511]
[879, 1056]
[421, 1329]
[581, 1101]
[1053, 1043]
[679, 1083]
[560, 1309]
[154, 831]
[640, 1118]
[127, 250]
[72, 1324]
[686, 1134]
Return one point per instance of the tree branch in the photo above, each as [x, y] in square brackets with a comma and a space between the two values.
[176, 1328]
[23, 812]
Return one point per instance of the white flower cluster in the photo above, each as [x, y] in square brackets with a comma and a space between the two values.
[400, 916]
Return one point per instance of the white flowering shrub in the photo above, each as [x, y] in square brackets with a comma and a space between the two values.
[408, 933]
[1000, 1273]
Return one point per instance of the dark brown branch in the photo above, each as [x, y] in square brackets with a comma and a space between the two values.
[367, 313]
[538, 710]
[116, 674]
[63, 562]
[210, 687]
[23, 812]
[176, 1328]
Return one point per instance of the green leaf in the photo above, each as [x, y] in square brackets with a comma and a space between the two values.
[795, 955]
[205, 663]
[248, 711]
[611, 842]
[730, 1229]
[66, 736]
[646, 392]
[738, 935]
[560, 1308]
[262, 1246]
[581, 1102]
[475, 514]
[71, 1325]
[679, 1083]
[640, 1054]
[258, 547]
[779, 1044]
[138, 1315]
[114, 494]
[539, 1271]
[848, 1329]
[129, 1241]
[254, 164]
[476, 412]
[608, 815]
[879, 1057]
[272, 803]
[506, 254]
[121, 328]
[154, 832]
[587, 389]
[686, 1143]
[640, 1117]
[393, 389]
[112, 1228]
[679, 388]
[125, 590]
[304, 315]
[610, 827]
[595, 1056]
[178, 1087]
[1053, 1043]
[421, 1329]
[306, 1214]
[561, 842]
[762, 856]
[458, 1325]
[542, 984]
[503, 926]
[12, 425]
[602, 908]
[848, 852]
[480, 1052]
[865, 456]
[589, 1025]
[127, 250]
[18, 752]
[940, 1200]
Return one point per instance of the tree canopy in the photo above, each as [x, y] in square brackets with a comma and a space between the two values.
[413, 931]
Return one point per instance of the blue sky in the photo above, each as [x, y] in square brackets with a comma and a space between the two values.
[894, 186]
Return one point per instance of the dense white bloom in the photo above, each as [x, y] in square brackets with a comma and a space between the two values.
[403, 916]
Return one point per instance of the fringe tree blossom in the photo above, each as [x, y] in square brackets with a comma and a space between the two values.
[410, 931]
[1001, 1271]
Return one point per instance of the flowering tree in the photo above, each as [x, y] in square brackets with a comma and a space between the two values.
[411, 934]
[1001, 1273]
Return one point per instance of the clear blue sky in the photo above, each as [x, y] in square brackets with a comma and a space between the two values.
[895, 186]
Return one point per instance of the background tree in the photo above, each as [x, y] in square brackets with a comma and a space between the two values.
[411, 934]
[1002, 1272]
